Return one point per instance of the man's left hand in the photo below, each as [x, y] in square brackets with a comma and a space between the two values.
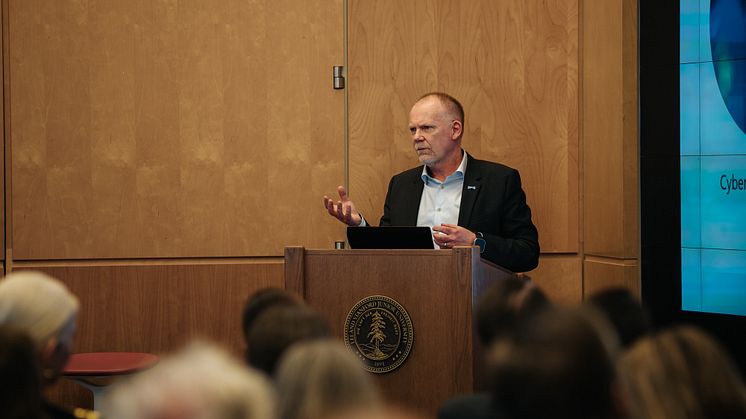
[448, 235]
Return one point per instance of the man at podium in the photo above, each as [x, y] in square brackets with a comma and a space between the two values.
[464, 200]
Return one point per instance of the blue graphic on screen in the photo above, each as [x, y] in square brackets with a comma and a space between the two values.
[712, 70]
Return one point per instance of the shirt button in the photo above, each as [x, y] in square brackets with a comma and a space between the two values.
[438, 209]
[441, 186]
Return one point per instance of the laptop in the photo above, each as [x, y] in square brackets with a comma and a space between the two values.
[390, 238]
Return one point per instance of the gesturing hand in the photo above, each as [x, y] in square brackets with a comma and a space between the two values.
[344, 210]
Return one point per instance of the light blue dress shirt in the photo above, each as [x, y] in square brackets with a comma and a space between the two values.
[441, 201]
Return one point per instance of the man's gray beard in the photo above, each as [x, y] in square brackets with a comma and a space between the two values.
[428, 161]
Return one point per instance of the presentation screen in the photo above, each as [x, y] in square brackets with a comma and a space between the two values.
[712, 68]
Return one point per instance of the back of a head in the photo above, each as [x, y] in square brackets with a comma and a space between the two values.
[279, 327]
[199, 382]
[262, 300]
[37, 304]
[20, 379]
[624, 311]
[504, 304]
[557, 365]
[321, 378]
[682, 373]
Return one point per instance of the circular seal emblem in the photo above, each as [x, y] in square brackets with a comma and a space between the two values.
[380, 332]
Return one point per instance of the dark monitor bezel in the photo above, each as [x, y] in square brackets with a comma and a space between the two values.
[660, 193]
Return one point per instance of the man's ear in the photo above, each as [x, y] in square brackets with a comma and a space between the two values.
[457, 129]
[48, 350]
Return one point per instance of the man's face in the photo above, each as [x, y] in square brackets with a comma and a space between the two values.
[433, 136]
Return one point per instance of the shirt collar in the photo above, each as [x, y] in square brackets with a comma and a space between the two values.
[459, 173]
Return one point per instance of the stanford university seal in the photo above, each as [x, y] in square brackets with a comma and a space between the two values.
[379, 331]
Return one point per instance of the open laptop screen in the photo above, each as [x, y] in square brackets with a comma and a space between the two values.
[390, 238]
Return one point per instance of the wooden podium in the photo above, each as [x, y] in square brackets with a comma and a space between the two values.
[439, 290]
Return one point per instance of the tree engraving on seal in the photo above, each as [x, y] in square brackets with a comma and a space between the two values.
[377, 336]
[380, 332]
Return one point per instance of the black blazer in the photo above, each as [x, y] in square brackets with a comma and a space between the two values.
[492, 202]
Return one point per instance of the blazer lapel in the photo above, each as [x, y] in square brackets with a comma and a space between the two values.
[470, 191]
[412, 206]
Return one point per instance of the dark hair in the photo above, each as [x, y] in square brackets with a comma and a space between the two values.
[557, 365]
[20, 378]
[624, 311]
[504, 304]
[453, 105]
[263, 300]
[276, 329]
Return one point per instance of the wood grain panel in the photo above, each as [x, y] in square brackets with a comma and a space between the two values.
[630, 124]
[611, 191]
[603, 273]
[157, 129]
[434, 287]
[157, 307]
[513, 65]
[4, 128]
[560, 277]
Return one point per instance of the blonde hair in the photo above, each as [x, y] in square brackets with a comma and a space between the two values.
[681, 373]
[200, 382]
[318, 379]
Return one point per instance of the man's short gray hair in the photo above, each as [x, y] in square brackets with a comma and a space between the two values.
[450, 102]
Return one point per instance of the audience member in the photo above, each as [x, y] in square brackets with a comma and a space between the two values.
[200, 382]
[316, 380]
[682, 373]
[275, 329]
[43, 308]
[624, 312]
[20, 378]
[557, 365]
[384, 412]
[262, 300]
[502, 306]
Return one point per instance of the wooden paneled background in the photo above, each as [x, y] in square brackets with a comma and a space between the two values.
[158, 156]
[172, 129]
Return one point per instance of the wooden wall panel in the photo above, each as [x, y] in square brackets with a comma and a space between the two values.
[611, 191]
[3, 126]
[151, 129]
[157, 306]
[513, 65]
[560, 277]
[602, 273]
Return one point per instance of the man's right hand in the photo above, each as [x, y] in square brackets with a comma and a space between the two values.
[344, 210]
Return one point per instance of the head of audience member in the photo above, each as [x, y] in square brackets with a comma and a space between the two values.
[624, 312]
[20, 378]
[381, 412]
[504, 304]
[199, 382]
[44, 308]
[319, 379]
[558, 364]
[277, 328]
[436, 123]
[262, 300]
[681, 373]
